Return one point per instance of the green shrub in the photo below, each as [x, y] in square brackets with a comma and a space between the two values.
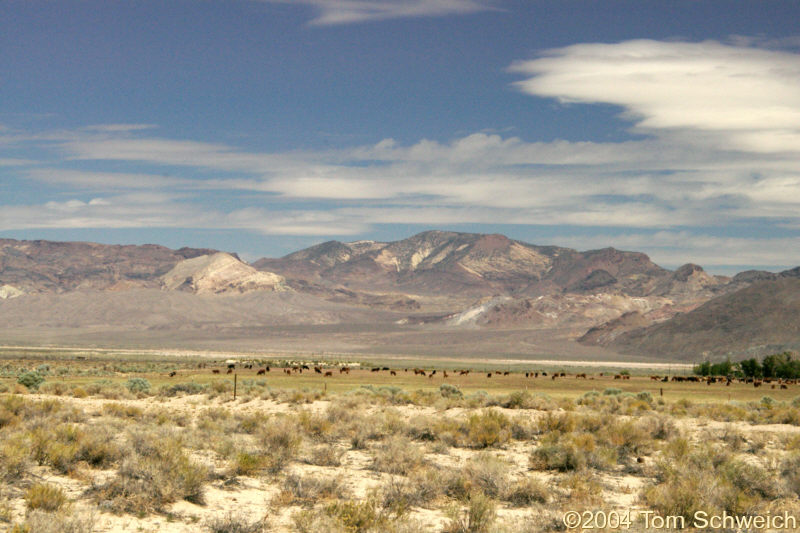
[612, 391]
[31, 380]
[450, 391]
[135, 385]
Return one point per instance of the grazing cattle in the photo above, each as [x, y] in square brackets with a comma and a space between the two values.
[385, 368]
[536, 374]
[783, 386]
[376, 369]
[230, 371]
[344, 370]
[305, 367]
[757, 383]
[430, 376]
[618, 376]
[505, 373]
[318, 370]
[171, 374]
[266, 368]
[554, 377]
[580, 376]
[665, 380]
[444, 373]
[287, 371]
[328, 374]
[215, 371]
[392, 372]
[248, 366]
[544, 374]
[488, 374]
[432, 373]
[231, 366]
[655, 378]
[463, 373]
[563, 375]
[261, 371]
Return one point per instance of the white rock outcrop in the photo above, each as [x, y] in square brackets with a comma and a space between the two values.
[9, 291]
[219, 273]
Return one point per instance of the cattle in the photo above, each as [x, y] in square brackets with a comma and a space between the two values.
[305, 367]
[318, 370]
[261, 371]
[172, 374]
[488, 374]
[230, 371]
[563, 375]
[266, 368]
[385, 368]
[463, 373]
[444, 373]
[328, 374]
[655, 378]
[344, 370]
[544, 374]
[783, 386]
[505, 373]
[215, 371]
[433, 373]
[580, 376]
[618, 376]
[376, 369]
[231, 366]
[536, 374]
[554, 377]
[392, 372]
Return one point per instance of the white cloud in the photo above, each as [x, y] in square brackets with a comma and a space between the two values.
[333, 12]
[740, 97]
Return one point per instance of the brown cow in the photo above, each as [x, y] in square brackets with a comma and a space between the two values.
[392, 372]
[328, 374]
[171, 374]
[230, 371]
[215, 371]
[318, 370]
[261, 371]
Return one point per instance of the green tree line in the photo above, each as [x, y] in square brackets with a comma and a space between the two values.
[779, 365]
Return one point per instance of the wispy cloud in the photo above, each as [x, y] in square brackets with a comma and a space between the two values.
[332, 12]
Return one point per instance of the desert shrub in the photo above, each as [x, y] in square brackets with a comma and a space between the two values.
[156, 473]
[31, 380]
[562, 423]
[120, 410]
[397, 455]
[247, 464]
[555, 453]
[39, 521]
[317, 427]
[359, 516]
[45, 496]
[182, 388]
[231, 523]
[14, 458]
[488, 428]
[612, 391]
[136, 385]
[450, 391]
[281, 440]
[487, 472]
[326, 455]
[526, 492]
[478, 517]
[310, 489]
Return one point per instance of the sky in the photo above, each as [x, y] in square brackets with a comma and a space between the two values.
[265, 126]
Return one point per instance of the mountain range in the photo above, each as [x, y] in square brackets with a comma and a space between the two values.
[382, 296]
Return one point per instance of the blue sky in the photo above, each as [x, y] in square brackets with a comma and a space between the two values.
[264, 126]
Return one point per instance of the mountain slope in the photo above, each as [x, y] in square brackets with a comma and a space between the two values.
[761, 318]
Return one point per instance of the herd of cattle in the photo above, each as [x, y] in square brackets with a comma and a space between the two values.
[230, 367]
